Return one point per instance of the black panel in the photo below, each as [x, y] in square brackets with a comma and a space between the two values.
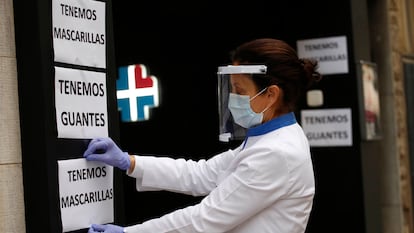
[182, 45]
[41, 149]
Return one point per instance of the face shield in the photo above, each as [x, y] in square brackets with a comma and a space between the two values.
[228, 129]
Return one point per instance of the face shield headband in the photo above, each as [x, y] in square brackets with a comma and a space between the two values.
[228, 129]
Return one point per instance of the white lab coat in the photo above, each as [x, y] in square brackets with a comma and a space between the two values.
[266, 185]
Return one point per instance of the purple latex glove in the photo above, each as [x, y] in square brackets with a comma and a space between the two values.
[105, 150]
[107, 228]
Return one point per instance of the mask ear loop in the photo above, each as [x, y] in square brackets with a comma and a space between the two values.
[264, 110]
[260, 92]
[270, 104]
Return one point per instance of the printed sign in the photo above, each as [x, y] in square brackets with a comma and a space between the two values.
[328, 127]
[331, 53]
[81, 103]
[79, 32]
[86, 193]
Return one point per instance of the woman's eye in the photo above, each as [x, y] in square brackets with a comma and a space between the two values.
[239, 91]
[242, 92]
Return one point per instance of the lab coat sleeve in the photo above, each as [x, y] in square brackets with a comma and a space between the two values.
[255, 184]
[179, 175]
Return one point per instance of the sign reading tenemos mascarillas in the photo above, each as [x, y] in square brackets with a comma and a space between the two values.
[79, 32]
[81, 103]
[330, 52]
[86, 193]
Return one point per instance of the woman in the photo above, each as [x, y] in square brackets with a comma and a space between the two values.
[264, 185]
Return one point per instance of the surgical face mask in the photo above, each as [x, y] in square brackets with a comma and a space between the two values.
[243, 114]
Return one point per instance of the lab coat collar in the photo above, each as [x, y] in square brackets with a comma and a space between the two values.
[276, 123]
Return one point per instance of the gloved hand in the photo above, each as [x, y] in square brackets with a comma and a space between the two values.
[107, 228]
[105, 150]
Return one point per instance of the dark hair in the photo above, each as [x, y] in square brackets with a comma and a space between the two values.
[292, 74]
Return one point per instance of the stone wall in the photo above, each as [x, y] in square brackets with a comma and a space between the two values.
[400, 45]
[11, 185]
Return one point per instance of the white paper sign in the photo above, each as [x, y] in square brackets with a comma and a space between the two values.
[330, 52]
[81, 103]
[328, 127]
[79, 32]
[85, 193]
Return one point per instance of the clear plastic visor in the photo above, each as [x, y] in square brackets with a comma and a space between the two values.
[228, 129]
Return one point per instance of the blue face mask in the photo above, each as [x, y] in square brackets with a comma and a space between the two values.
[243, 114]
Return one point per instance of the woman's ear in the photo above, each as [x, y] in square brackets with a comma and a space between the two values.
[274, 92]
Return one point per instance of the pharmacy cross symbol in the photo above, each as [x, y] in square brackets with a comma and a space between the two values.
[137, 92]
